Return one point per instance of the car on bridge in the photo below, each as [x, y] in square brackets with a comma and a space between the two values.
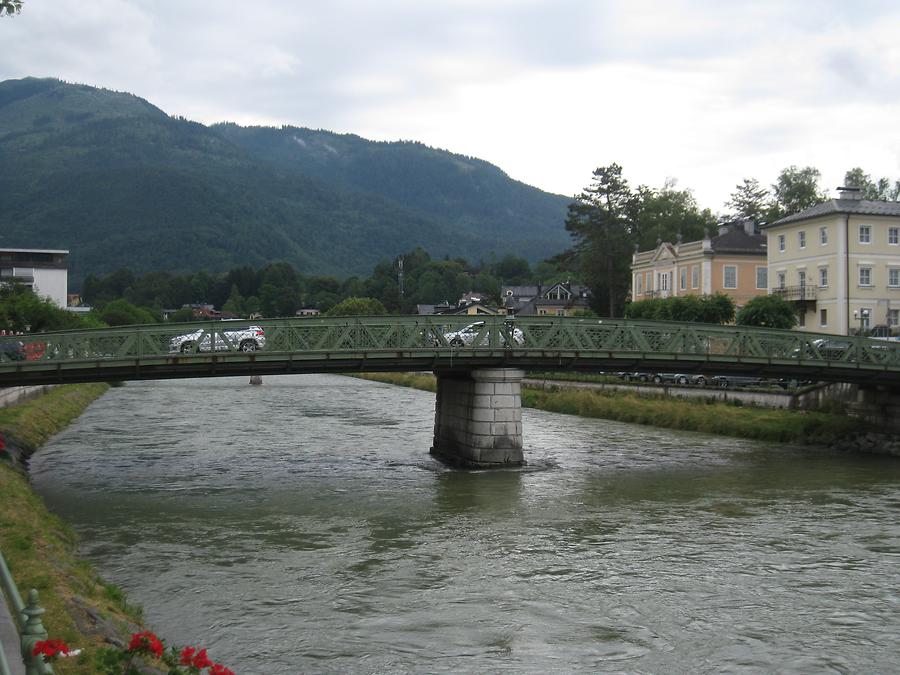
[247, 339]
[475, 335]
[13, 350]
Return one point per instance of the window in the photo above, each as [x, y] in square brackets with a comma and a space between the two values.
[802, 276]
[762, 277]
[640, 283]
[730, 276]
[801, 238]
[695, 276]
[894, 317]
[649, 281]
[894, 236]
[894, 277]
[823, 235]
[865, 234]
[823, 317]
[560, 312]
[865, 276]
[823, 277]
[663, 281]
[781, 243]
[780, 277]
[683, 284]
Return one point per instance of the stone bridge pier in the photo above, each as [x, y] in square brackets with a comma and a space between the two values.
[478, 418]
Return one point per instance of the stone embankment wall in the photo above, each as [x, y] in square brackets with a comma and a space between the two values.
[12, 395]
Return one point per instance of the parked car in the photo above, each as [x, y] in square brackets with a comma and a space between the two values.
[684, 379]
[12, 350]
[634, 377]
[242, 339]
[469, 336]
[728, 381]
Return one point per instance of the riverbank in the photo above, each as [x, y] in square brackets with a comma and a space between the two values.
[705, 415]
[41, 550]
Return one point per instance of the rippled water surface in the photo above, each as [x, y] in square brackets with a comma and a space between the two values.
[301, 526]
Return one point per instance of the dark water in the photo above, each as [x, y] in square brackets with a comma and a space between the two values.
[301, 526]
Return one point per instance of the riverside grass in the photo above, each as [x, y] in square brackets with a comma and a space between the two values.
[40, 549]
[704, 415]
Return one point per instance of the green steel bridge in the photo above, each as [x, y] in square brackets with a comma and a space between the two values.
[417, 343]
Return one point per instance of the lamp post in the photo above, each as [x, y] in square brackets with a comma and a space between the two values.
[863, 316]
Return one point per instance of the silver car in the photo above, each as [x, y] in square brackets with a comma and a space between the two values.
[475, 335]
[241, 339]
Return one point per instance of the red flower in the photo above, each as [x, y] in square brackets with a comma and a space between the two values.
[146, 642]
[218, 669]
[50, 649]
[198, 659]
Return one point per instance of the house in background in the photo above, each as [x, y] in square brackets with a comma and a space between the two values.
[561, 299]
[45, 271]
[733, 262]
[838, 263]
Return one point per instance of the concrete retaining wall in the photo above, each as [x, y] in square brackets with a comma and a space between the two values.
[12, 395]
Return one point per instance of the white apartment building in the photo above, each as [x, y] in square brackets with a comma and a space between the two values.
[839, 263]
[45, 271]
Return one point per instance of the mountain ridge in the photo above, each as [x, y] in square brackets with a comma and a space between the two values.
[120, 183]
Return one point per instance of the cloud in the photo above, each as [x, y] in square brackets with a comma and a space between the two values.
[706, 91]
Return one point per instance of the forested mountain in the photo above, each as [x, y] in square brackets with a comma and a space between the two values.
[121, 184]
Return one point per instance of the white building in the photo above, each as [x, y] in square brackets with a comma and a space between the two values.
[45, 271]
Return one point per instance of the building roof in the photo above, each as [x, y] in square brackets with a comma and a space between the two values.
[738, 241]
[863, 207]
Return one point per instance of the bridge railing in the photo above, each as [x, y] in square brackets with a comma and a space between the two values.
[457, 334]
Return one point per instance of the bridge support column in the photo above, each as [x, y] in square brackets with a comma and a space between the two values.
[478, 418]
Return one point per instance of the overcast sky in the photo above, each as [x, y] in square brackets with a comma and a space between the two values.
[704, 92]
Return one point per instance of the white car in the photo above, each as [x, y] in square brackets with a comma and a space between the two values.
[241, 339]
[469, 336]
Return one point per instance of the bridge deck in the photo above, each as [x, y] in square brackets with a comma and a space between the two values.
[402, 343]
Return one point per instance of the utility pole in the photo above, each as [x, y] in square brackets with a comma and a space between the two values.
[400, 275]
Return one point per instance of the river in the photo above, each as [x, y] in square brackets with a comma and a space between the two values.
[301, 526]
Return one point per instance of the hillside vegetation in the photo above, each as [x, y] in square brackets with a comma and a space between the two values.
[120, 183]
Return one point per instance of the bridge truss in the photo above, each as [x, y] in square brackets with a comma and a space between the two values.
[412, 343]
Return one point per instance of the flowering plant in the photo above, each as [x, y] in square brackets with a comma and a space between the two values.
[192, 660]
[50, 650]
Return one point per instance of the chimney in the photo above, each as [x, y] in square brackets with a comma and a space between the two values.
[849, 193]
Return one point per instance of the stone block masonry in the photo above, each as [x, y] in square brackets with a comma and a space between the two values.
[478, 418]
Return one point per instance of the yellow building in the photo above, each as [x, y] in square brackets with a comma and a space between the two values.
[733, 263]
[839, 263]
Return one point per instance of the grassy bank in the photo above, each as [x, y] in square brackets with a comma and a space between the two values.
[41, 550]
[706, 415]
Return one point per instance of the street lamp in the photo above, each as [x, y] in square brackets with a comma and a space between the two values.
[863, 316]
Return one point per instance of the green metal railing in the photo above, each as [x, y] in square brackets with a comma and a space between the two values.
[526, 340]
[27, 616]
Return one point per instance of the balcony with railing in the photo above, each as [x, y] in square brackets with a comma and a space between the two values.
[803, 293]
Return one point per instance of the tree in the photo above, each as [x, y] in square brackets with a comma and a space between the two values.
[22, 310]
[769, 311]
[717, 308]
[598, 219]
[667, 214]
[123, 313]
[10, 7]
[749, 200]
[796, 189]
[882, 189]
[357, 307]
